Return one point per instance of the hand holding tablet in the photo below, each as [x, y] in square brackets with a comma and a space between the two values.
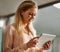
[44, 38]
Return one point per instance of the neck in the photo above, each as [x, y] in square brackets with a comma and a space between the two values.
[26, 25]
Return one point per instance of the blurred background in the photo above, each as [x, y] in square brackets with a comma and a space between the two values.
[47, 19]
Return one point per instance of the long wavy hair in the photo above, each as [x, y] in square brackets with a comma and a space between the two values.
[24, 6]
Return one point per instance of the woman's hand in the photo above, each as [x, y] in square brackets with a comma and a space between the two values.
[47, 45]
[32, 42]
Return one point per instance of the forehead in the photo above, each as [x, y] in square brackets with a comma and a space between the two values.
[32, 10]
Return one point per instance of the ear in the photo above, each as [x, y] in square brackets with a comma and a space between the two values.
[22, 13]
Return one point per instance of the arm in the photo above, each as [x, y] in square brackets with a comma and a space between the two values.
[31, 45]
[8, 41]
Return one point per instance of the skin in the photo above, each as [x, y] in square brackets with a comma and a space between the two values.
[28, 16]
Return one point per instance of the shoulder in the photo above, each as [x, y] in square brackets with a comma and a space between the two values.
[9, 28]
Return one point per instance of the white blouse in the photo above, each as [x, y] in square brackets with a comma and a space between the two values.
[12, 41]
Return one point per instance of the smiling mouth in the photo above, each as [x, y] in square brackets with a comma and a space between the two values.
[30, 20]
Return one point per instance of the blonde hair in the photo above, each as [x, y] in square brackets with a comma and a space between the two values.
[24, 6]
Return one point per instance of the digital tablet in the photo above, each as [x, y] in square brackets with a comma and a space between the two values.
[44, 38]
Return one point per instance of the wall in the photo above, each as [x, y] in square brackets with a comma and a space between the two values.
[0, 40]
[56, 45]
[48, 22]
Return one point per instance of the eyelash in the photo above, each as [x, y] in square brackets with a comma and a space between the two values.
[32, 14]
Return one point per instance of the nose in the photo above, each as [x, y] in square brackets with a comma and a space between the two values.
[32, 17]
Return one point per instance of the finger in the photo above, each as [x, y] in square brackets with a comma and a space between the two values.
[33, 45]
[46, 46]
[35, 38]
[49, 43]
[35, 42]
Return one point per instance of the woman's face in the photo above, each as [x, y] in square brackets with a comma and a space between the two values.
[29, 15]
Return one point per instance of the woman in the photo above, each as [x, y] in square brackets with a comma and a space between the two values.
[21, 36]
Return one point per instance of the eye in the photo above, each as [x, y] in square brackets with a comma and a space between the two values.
[31, 14]
[34, 14]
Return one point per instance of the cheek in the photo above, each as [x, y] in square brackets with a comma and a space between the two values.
[28, 17]
[25, 17]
